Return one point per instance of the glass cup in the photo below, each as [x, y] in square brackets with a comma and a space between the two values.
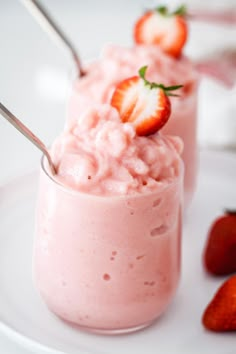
[107, 264]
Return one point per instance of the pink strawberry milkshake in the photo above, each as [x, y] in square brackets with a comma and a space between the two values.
[108, 225]
[118, 63]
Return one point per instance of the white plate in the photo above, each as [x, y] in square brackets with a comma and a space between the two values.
[25, 319]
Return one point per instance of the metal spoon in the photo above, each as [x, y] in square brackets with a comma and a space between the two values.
[49, 26]
[27, 133]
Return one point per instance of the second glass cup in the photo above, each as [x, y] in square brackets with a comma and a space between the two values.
[115, 64]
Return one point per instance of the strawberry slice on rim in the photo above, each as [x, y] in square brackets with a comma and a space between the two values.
[162, 28]
[144, 104]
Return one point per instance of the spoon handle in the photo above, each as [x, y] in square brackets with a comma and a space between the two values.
[51, 28]
[27, 133]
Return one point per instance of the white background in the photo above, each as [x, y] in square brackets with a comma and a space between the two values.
[34, 74]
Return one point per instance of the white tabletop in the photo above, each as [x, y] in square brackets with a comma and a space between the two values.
[29, 63]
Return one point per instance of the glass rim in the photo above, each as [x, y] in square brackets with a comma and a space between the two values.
[74, 192]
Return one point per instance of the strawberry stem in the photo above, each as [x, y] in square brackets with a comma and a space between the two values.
[166, 89]
[230, 212]
[163, 10]
[180, 11]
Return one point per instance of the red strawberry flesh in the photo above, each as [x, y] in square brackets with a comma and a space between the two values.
[220, 314]
[220, 250]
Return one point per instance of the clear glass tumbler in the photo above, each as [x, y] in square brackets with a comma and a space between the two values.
[107, 264]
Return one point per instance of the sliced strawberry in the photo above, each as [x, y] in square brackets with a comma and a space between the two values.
[220, 251]
[143, 103]
[159, 27]
[220, 314]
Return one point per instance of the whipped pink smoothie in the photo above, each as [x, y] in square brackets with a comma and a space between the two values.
[108, 225]
[117, 63]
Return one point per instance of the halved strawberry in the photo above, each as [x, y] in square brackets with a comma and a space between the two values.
[220, 251]
[143, 103]
[168, 30]
[220, 314]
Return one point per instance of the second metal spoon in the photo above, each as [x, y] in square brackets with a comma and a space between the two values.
[27, 133]
[52, 29]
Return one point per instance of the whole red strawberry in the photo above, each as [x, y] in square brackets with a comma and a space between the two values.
[144, 104]
[220, 314]
[220, 252]
[162, 28]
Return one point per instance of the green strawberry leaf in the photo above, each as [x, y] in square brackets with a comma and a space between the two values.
[164, 11]
[142, 72]
[166, 89]
[181, 11]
